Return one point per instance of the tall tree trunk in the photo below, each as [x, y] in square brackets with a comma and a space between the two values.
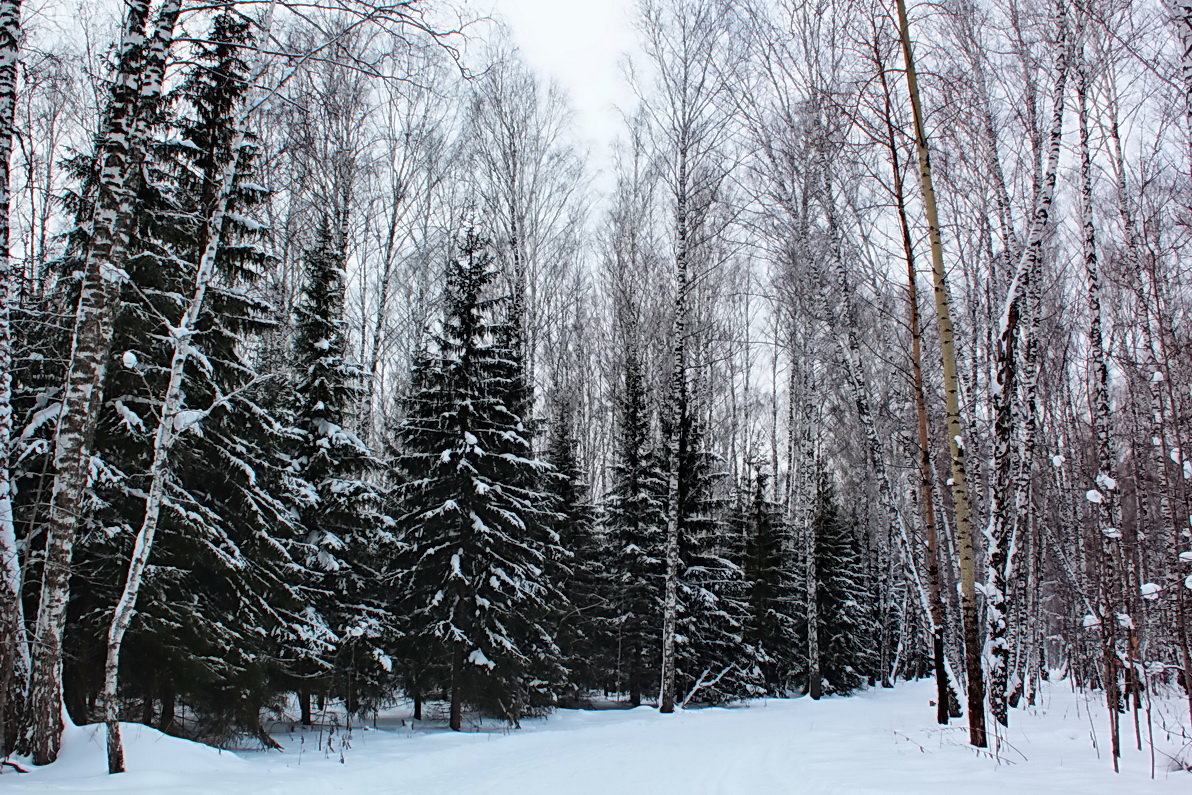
[1105, 486]
[1014, 406]
[678, 409]
[815, 679]
[947, 702]
[136, 90]
[170, 425]
[14, 650]
[955, 428]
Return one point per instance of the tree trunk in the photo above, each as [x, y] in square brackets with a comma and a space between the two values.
[136, 89]
[168, 429]
[1014, 407]
[304, 714]
[947, 703]
[955, 429]
[14, 648]
[165, 720]
[814, 675]
[678, 408]
[456, 720]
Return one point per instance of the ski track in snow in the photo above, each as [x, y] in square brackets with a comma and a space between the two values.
[880, 741]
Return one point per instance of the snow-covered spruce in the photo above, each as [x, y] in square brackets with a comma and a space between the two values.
[474, 525]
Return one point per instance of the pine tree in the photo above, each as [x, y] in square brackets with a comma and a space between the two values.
[771, 627]
[477, 540]
[581, 574]
[844, 617]
[634, 522]
[344, 537]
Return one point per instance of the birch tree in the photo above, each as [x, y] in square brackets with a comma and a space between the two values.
[14, 651]
[136, 88]
[687, 44]
[962, 516]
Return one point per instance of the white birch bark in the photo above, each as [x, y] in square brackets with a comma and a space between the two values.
[137, 85]
[14, 649]
[1014, 408]
[172, 422]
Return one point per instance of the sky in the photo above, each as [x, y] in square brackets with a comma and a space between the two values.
[580, 45]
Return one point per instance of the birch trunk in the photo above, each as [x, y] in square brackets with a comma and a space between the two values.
[960, 495]
[947, 703]
[136, 89]
[1014, 424]
[1108, 533]
[1181, 17]
[169, 426]
[14, 649]
[168, 429]
[678, 400]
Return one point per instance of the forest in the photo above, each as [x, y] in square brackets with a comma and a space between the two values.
[335, 373]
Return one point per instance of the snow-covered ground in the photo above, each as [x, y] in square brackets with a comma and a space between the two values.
[881, 741]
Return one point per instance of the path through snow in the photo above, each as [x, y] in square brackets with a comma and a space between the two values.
[881, 741]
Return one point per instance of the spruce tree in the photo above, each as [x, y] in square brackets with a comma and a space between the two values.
[635, 523]
[771, 627]
[477, 541]
[583, 613]
[845, 624]
[714, 662]
[344, 537]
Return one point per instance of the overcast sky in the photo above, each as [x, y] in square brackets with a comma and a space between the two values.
[579, 44]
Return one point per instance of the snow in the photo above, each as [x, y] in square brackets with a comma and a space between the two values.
[880, 741]
[477, 657]
[1094, 496]
[129, 359]
[188, 419]
[1150, 590]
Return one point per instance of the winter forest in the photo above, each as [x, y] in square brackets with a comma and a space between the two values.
[337, 376]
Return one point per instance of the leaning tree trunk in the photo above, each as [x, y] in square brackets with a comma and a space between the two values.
[171, 423]
[849, 342]
[136, 89]
[168, 429]
[955, 428]
[14, 650]
[947, 702]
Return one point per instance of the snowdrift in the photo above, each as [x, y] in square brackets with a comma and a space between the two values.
[155, 761]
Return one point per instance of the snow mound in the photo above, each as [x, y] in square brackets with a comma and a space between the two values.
[155, 762]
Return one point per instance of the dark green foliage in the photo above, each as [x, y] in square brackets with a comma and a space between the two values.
[219, 604]
[343, 534]
[583, 615]
[714, 663]
[635, 526]
[476, 534]
[846, 631]
[771, 627]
